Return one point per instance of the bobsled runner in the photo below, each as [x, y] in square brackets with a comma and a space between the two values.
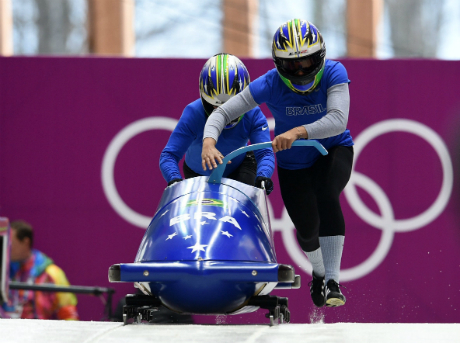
[209, 250]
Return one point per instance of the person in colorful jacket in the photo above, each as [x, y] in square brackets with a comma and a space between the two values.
[308, 96]
[32, 266]
[222, 77]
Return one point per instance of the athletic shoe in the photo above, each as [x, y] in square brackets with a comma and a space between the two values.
[334, 296]
[317, 290]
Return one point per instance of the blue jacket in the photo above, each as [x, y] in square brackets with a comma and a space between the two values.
[187, 138]
[291, 110]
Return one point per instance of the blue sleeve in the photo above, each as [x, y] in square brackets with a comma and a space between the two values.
[179, 141]
[260, 133]
[260, 89]
[337, 75]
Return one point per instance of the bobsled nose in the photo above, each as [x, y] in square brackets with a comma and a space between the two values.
[204, 287]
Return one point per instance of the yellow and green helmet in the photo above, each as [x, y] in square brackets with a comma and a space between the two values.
[299, 53]
[222, 77]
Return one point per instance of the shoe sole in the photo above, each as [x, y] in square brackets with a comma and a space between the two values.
[334, 302]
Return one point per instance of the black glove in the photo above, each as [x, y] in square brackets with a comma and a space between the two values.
[174, 181]
[268, 183]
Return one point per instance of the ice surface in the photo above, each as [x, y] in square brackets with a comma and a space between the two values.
[41, 331]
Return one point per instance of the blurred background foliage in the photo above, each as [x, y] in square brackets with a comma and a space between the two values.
[193, 29]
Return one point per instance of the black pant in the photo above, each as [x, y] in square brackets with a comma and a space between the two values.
[246, 171]
[311, 196]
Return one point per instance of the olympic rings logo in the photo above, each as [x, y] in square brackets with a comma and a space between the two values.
[110, 157]
[385, 221]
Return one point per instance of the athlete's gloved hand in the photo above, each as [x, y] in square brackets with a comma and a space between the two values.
[268, 183]
[174, 181]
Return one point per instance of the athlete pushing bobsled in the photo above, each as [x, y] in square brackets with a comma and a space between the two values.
[221, 78]
[308, 96]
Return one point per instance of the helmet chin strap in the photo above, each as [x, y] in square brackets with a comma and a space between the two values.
[233, 123]
[311, 90]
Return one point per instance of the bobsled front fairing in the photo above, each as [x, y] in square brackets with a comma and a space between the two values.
[208, 250]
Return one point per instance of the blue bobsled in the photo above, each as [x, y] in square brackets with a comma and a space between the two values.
[209, 250]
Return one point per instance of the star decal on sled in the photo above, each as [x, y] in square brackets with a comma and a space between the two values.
[197, 247]
[245, 213]
[171, 236]
[225, 233]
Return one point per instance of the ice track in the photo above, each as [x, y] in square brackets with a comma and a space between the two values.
[40, 331]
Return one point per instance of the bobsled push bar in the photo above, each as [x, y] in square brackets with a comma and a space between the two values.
[216, 175]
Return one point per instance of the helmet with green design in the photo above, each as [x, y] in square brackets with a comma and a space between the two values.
[222, 77]
[299, 53]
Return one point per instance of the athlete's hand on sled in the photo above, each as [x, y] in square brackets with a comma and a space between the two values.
[209, 154]
[268, 183]
[285, 140]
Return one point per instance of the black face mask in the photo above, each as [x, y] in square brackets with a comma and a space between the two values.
[208, 109]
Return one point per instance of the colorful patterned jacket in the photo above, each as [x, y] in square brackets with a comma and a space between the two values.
[40, 269]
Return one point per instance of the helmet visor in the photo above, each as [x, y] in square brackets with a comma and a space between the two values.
[301, 66]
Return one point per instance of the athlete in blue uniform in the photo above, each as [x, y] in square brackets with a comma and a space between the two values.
[222, 77]
[309, 99]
